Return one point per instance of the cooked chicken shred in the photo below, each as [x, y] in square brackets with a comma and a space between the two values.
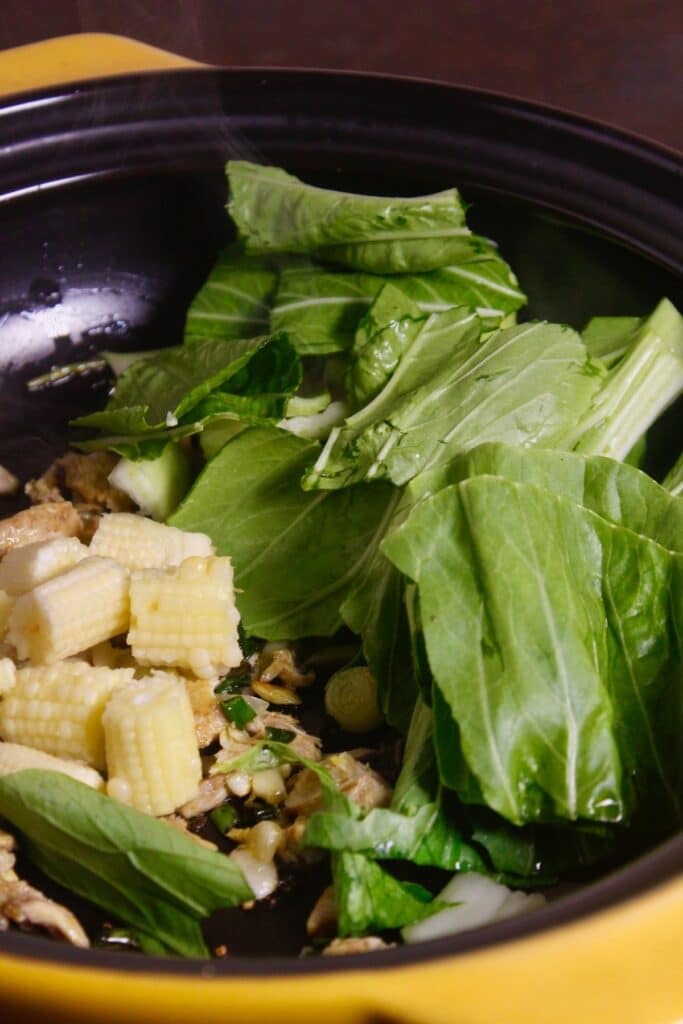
[84, 480]
[208, 717]
[9, 483]
[41, 522]
[360, 784]
[25, 906]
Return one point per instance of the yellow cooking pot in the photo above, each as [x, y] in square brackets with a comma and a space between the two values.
[622, 964]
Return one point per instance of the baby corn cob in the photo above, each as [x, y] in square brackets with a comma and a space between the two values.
[8, 675]
[58, 709]
[24, 568]
[6, 604]
[185, 616]
[152, 756]
[71, 612]
[140, 543]
[15, 758]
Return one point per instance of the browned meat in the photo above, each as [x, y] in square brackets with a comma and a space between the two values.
[41, 522]
[208, 717]
[360, 784]
[83, 479]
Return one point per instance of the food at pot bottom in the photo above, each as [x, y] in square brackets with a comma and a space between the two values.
[360, 484]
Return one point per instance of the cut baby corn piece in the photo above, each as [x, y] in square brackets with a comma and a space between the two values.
[15, 758]
[58, 709]
[140, 543]
[185, 616]
[71, 612]
[24, 568]
[152, 756]
[8, 675]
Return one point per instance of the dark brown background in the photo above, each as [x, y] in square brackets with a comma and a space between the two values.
[616, 60]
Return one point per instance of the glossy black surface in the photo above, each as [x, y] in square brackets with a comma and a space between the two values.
[111, 210]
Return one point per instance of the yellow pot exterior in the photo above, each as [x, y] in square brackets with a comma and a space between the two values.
[621, 966]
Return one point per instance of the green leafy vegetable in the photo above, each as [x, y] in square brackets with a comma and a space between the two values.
[638, 390]
[369, 899]
[673, 482]
[296, 554]
[234, 301]
[139, 869]
[452, 391]
[156, 397]
[563, 719]
[609, 338]
[275, 212]
[321, 308]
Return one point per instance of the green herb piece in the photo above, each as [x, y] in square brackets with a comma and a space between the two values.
[276, 212]
[279, 735]
[268, 524]
[150, 876]
[237, 711]
[224, 817]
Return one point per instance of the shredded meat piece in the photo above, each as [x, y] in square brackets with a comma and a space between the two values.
[83, 479]
[303, 744]
[281, 666]
[7, 841]
[360, 784]
[178, 823]
[234, 743]
[24, 905]
[322, 920]
[365, 944]
[41, 522]
[208, 717]
[212, 793]
[9, 484]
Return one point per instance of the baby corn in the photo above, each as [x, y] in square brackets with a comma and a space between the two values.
[140, 543]
[24, 568]
[16, 758]
[185, 616]
[71, 612]
[58, 709]
[8, 675]
[152, 756]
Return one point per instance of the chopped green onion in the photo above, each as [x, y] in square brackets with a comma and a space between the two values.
[233, 683]
[237, 711]
[224, 817]
[279, 735]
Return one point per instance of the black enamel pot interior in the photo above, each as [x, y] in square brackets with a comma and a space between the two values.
[112, 209]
